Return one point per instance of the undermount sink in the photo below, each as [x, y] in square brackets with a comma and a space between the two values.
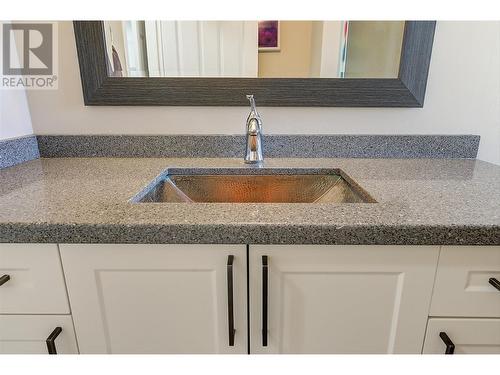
[253, 186]
[241, 186]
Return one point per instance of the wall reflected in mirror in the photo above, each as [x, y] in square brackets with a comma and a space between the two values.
[254, 49]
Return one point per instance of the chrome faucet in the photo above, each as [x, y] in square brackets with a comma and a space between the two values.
[253, 154]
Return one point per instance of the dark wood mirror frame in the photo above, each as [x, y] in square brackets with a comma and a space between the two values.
[408, 90]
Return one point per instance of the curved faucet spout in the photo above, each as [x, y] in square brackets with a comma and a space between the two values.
[253, 154]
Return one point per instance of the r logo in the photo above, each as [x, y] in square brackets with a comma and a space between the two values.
[34, 46]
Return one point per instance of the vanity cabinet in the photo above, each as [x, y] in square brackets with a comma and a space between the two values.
[186, 299]
[158, 298]
[340, 299]
[238, 299]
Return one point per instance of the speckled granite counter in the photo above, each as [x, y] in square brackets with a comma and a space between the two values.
[420, 201]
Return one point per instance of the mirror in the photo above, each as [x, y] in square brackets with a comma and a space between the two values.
[287, 63]
[254, 49]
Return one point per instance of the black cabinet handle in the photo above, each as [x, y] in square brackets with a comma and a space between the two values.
[230, 303]
[264, 299]
[4, 279]
[51, 345]
[450, 346]
[495, 283]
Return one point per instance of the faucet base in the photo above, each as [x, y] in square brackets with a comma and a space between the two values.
[259, 162]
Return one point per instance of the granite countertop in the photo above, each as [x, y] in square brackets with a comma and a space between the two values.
[86, 200]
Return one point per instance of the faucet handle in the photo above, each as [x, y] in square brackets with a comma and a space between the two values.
[252, 102]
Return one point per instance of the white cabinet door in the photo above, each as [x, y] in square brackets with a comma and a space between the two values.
[156, 298]
[341, 299]
[35, 280]
[470, 336]
[27, 334]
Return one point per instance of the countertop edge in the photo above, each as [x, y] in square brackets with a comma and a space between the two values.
[249, 234]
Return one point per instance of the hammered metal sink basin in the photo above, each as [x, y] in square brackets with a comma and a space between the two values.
[267, 187]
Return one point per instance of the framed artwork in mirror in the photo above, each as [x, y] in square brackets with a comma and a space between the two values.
[269, 36]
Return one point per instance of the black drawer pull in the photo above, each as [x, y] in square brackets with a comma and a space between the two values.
[450, 346]
[264, 299]
[4, 279]
[495, 283]
[230, 306]
[51, 345]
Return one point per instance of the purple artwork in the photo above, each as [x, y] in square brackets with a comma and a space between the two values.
[269, 38]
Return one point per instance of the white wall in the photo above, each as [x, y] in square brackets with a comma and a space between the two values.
[463, 97]
[15, 120]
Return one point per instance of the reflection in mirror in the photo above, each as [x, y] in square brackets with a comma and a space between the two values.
[254, 49]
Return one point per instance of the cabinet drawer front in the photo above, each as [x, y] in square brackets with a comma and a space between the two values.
[469, 335]
[26, 334]
[36, 284]
[462, 287]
